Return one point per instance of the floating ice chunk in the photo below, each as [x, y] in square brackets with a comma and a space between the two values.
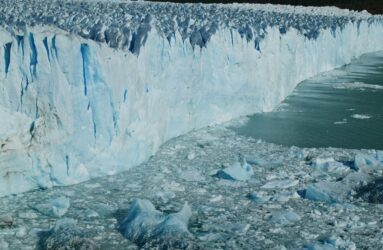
[366, 163]
[144, 223]
[55, 208]
[191, 175]
[173, 186]
[211, 237]
[237, 172]
[332, 242]
[216, 198]
[379, 155]
[140, 221]
[3, 245]
[91, 213]
[325, 191]
[21, 232]
[357, 85]
[104, 209]
[299, 153]
[318, 193]
[259, 197]
[191, 156]
[66, 235]
[344, 121]
[165, 196]
[240, 229]
[331, 166]
[361, 116]
[285, 196]
[324, 246]
[6, 220]
[285, 217]
[280, 184]
[255, 160]
[28, 215]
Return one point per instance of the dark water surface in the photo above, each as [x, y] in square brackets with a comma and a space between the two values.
[342, 108]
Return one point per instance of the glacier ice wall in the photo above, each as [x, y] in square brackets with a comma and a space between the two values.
[74, 106]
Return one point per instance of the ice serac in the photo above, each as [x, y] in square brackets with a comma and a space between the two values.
[91, 89]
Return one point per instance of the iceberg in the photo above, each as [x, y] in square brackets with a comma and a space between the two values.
[325, 191]
[367, 163]
[285, 217]
[331, 166]
[236, 172]
[94, 88]
[56, 208]
[144, 224]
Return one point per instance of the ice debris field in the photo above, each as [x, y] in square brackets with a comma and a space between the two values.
[294, 198]
[92, 89]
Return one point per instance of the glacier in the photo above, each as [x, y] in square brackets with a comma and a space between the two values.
[94, 88]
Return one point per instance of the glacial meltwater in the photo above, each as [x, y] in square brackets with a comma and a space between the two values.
[341, 108]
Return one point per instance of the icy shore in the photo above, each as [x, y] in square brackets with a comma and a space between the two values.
[80, 100]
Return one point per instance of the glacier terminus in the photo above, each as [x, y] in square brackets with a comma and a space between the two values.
[116, 126]
[94, 88]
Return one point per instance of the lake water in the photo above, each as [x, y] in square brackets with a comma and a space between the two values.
[341, 108]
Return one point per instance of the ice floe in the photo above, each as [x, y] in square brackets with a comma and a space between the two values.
[55, 208]
[6, 220]
[332, 243]
[325, 191]
[361, 116]
[239, 171]
[331, 166]
[367, 163]
[280, 184]
[285, 217]
[259, 197]
[344, 121]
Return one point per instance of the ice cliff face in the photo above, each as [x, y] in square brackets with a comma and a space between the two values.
[90, 89]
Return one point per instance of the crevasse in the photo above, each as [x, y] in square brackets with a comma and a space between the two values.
[73, 108]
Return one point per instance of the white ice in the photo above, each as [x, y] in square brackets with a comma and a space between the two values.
[285, 217]
[331, 166]
[237, 171]
[368, 163]
[361, 116]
